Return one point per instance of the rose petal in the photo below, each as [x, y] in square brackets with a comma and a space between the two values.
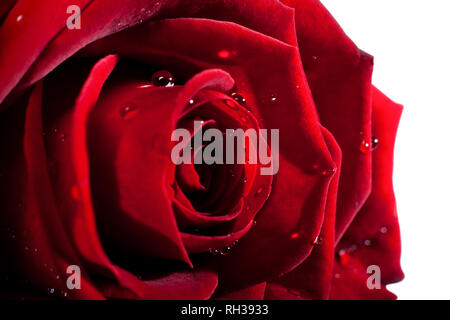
[312, 278]
[373, 238]
[56, 43]
[19, 35]
[339, 75]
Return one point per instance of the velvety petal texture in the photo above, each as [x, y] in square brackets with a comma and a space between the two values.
[88, 127]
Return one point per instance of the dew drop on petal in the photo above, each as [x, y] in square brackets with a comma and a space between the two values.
[231, 104]
[259, 190]
[214, 252]
[328, 171]
[239, 98]
[244, 119]
[367, 243]
[163, 78]
[62, 137]
[383, 230]
[225, 251]
[19, 18]
[317, 240]
[295, 235]
[365, 146]
[343, 256]
[375, 142]
[224, 54]
[128, 111]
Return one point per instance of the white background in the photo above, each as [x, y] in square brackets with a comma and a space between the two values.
[410, 40]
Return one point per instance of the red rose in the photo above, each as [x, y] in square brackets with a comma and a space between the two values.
[86, 173]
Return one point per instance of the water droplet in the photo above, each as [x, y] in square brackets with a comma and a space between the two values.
[254, 222]
[259, 190]
[365, 146]
[62, 137]
[367, 243]
[65, 294]
[163, 78]
[375, 142]
[27, 248]
[224, 54]
[244, 119]
[19, 18]
[314, 58]
[383, 230]
[191, 101]
[57, 277]
[51, 290]
[337, 275]
[239, 98]
[214, 252]
[343, 256]
[225, 251]
[273, 98]
[317, 240]
[128, 111]
[328, 171]
[295, 235]
[231, 104]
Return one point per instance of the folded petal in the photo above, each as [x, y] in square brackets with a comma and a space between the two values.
[373, 238]
[339, 75]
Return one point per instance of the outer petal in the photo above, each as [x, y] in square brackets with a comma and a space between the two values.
[55, 42]
[22, 41]
[339, 75]
[373, 238]
[312, 278]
